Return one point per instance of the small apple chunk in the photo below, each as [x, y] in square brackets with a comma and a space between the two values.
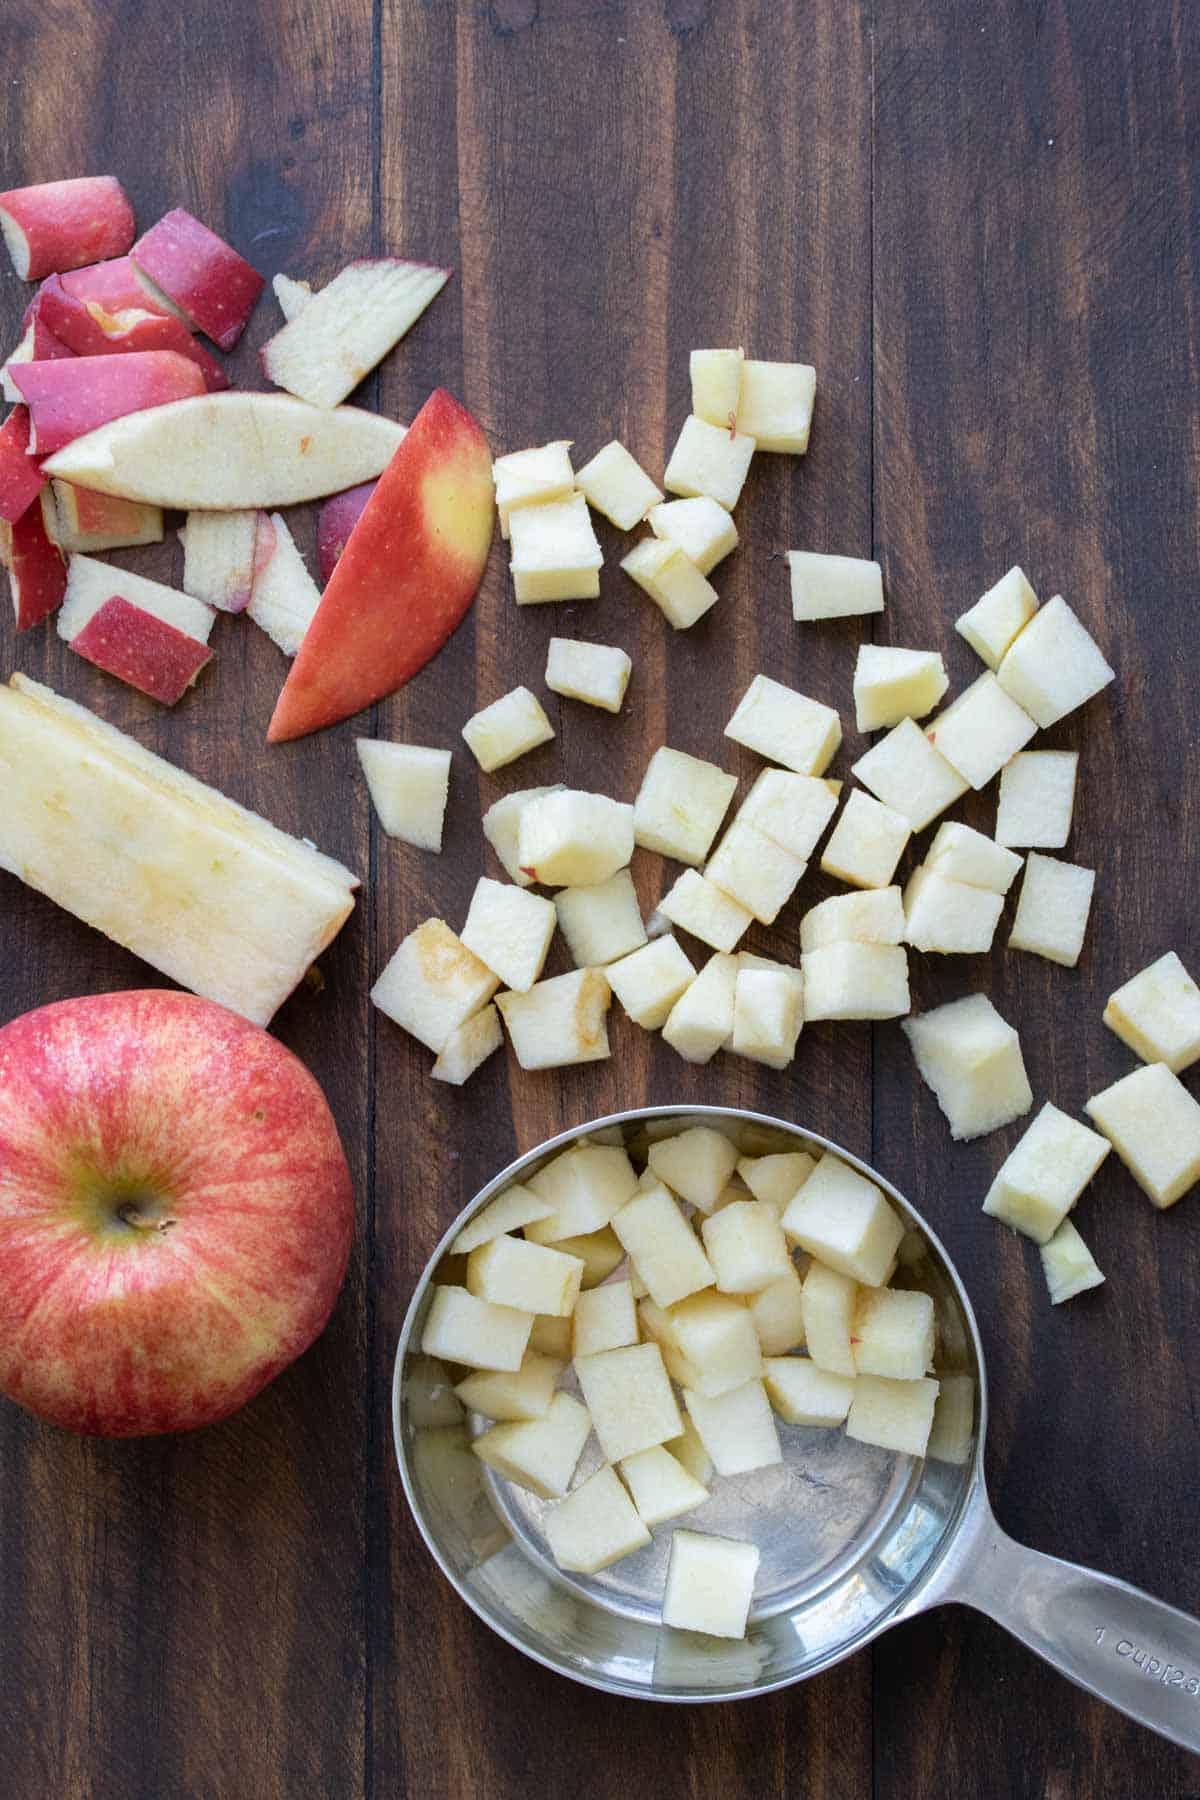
[343, 331]
[584, 1187]
[952, 1437]
[786, 727]
[709, 459]
[1157, 1013]
[284, 598]
[501, 828]
[834, 587]
[696, 1164]
[87, 522]
[1068, 1264]
[70, 400]
[768, 1014]
[855, 981]
[674, 583]
[892, 684]
[65, 224]
[701, 528]
[716, 385]
[597, 674]
[510, 930]
[213, 286]
[791, 810]
[596, 1525]
[602, 924]
[701, 1021]
[774, 1179]
[1037, 799]
[867, 842]
[688, 1450]
[662, 1246]
[605, 1318]
[37, 569]
[910, 776]
[507, 729]
[981, 730]
[777, 1312]
[874, 916]
[409, 787]
[335, 521]
[500, 1394]
[715, 1334]
[710, 1584]
[460, 1327]
[1052, 909]
[140, 649]
[629, 1397]
[1054, 665]
[658, 1327]
[828, 1304]
[292, 294]
[696, 905]
[567, 838]
[538, 1454]
[996, 619]
[896, 1415]
[510, 1271]
[661, 1487]
[21, 478]
[432, 984]
[1153, 1124]
[971, 1058]
[737, 1428]
[680, 805]
[1044, 1174]
[746, 1247]
[529, 477]
[559, 1022]
[845, 1221]
[949, 917]
[651, 980]
[600, 1252]
[218, 557]
[804, 1394]
[555, 553]
[775, 406]
[615, 483]
[509, 1211]
[893, 1333]
[755, 871]
[961, 854]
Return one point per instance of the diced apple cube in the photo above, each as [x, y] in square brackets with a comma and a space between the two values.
[710, 1583]
[786, 727]
[555, 555]
[804, 1394]
[568, 838]
[981, 730]
[699, 527]
[909, 775]
[701, 1021]
[966, 855]
[651, 980]
[615, 483]
[995, 620]
[949, 916]
[409, 787]
[529, 477]
[551, 1337]
[1052, 909]
[774, 1179]
[603, 923]
[828, 1301]
[698, 906]
[510, 930]
[696, 1164]
[736, 1428]
[468, 1047]
[716, 385]
[1070, 1268]
[845, 1221]
[1157, 1013]
[833, 587]
[778, 1314]
[506, 729]
[896, 1415]
[432, 984]
[867, 842]
[875, 916]
[715, 1333]
[605, 1319]
[600, 1252]
[461, 1328]
[893, 1333]
[674, 583]
[658, 1327]
[509, 1211]
[972, 1060]
[746, 1247]
[595, 1525]
[688, 1450]
[1054, 665]
[775, 404]
[629, 1397]
[680, 805]
[855, 981]
[753, 870]
[527, 1394]
[892, 684]
[1037, 798]
[709, 459]
[952, 1438]
[560, 1021]
[509, 1271]
[584, 1187]
[597, 674]
[662, 1247]
[501, 827]
[1044, 1174]
[791, 810]
[768, 1015]
[1153, 1124]
[539, 1454]
[660, 1485]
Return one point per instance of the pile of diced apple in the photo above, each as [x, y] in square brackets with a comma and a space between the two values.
[681, 1314]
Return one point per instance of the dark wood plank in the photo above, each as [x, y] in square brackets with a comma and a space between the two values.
[1035, 355]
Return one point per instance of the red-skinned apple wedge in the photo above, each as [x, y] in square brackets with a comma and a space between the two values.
[349, 326]
[64, 224]
[88, 521]
[144, 652]
[337, 519]
[38, 344]
[21, 478]
[37, 572]
[176, 1212]
[215, 287]
[89, 329]
[65, 404]
[117, 285]
[408, 574]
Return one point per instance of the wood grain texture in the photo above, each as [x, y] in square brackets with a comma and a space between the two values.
[981, 224]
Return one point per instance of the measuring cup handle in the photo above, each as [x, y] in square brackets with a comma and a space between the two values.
[1136, 1652]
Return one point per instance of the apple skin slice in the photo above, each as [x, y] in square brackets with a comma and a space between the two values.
[65, 404]
[36, 566]
[117, 285]
[215, 287]
[142, 651]
[337, 519]
[406, 578]
[87, 328]
[21, 478]
[65, 224]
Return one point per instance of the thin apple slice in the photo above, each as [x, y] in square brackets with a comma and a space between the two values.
[86, 521]
[284, 597]
[349, 327]
[293, 296]
[88, 328]
[141, 650]
[337, 519]
[37, 570]
[21, 478]
[64, 224]
[221, 452]
[406, 577]
[68, 403]
[218, 557]
[216, 288]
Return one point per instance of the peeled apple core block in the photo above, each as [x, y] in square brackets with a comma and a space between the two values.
[203, 890]
[224, 452]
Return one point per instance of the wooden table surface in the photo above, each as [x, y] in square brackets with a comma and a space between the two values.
[981, 222]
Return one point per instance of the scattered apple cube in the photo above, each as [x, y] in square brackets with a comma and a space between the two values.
[893, 1333]
[754, 870]
[529, 477]
[952, 1438]
[995, 620]
[746, 1247]
[737, 1428]
[777, 1312]
[791, 810]
[600, 1252]
[828, 1302]
[409, 787]
[629, 1397]
[910, 776]
[981, 730]
[896, 1415]
[680, 805]
[710, 1583]
[567, 838]
[833, 587]
[786, 727]
[615, 483]
[855, 981]
[874, 916]
[716, 385]
[696, 1164]
[65, 224]
[972, 1060]
[867, 842]
[138, 647]
[510, 930]
[218, 557]
[701, 1021]
[662, 1247]
[1069, 1265]
[432, 984]
[672, 580]
[660, 1485]
[508, 728]
[89, 522]
[1037, 798]
[510, 1271]
[698, 906]
[462, 1328]
[284, 598]
[560, 1021]
[1052, 909]
[595, 1525]
[699, 527]
[597, 674]
[601, 924]
[658, 1326]
[768, 1015]
[509, 1211]
[845, 1221]
[774, 1179]
[605, 1319]
[709, 459]
[555, 555]
[949, 917]
[539, 1454]
[804, 1394]
[551, 1337]
[1153, 1124]
[1157, 1013]
[1054, 665]
[892, 684]
[1044, 1174]
[501, 828]
[527, 1394]
[651, 980]
[343, 331]
[715, 1333]
[966, 855]
[584, 1187]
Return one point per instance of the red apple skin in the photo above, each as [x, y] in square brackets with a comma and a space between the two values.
[37, 569]
[117, 285]
[65, 224]
[66, 403]
[201, 273]
[145, 652]
[88, 329]
[176, 1212]
[21, 479]
[405, 580]
[335, 521]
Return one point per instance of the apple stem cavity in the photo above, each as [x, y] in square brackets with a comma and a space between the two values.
[133, 1215]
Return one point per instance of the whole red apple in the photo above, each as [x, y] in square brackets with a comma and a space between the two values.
[175, 1212]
